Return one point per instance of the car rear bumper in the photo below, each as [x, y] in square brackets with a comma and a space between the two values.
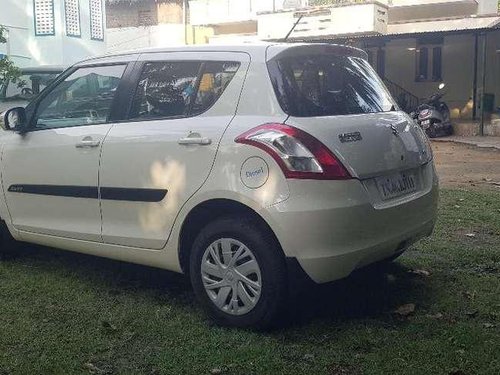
[333, 228]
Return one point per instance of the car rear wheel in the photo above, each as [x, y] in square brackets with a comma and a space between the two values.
[238, 273]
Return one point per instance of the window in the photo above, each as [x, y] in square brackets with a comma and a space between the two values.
[44, 17]
[422, 64]
[380, 68]
[96, 20]
[429, 63]
[72, 17]
[180, 89]
[83, 98]
[28, 86]
[214, 80]
[322, 85]
[145, 18]
[376, 58]
[436, 64]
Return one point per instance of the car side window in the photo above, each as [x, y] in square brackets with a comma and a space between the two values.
[215, 77]
[83, 98]
[180, 88]
[165, 89]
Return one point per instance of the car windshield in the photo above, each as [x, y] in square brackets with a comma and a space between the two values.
[27, 86]
[322, 85]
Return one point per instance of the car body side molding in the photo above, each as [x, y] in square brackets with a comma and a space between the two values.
[92, 192]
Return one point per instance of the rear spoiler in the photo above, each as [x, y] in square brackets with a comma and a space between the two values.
[279, 51]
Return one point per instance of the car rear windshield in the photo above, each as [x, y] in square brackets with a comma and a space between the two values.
[326, 85]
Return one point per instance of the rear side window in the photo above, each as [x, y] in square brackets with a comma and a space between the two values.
[322, 85]
[181, 88]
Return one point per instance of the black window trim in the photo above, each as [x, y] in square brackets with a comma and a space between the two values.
[136, 76]
[116, 105]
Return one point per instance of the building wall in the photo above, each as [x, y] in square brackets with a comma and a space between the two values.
[210, 12]
[165, 35]
[172, 12]
[493, 66]
[27, 49]
[142, 13]
[488, 6]
[457, 70]
[13, 18]
[249, 27]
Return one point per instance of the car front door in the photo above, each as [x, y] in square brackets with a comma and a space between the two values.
[50, 173]
[154, 162]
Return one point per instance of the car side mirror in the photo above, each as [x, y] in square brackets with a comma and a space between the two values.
[14, 119]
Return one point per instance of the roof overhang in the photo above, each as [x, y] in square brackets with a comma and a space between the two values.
[444, 25]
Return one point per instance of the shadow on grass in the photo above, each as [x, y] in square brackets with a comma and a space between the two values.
[370, 293]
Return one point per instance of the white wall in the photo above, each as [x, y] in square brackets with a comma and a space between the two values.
[336, 20]
[205, 12]
[422, 2]
[26, 49]
[132, 38]
[487, 6]
[13, 18]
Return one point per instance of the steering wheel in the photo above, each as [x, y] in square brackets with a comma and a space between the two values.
[27, 91]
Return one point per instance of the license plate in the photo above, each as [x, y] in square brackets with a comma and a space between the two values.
[426, 124]
[396, 185]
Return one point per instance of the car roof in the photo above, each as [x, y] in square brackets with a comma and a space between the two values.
[258, 51]
[43, 69]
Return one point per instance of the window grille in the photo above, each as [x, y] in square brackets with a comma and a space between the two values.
[96, 20]
[44, 17]
[72, 15]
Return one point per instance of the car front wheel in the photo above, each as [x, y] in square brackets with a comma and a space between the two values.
[238, 273]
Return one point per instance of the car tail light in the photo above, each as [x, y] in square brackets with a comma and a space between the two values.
[298, 153]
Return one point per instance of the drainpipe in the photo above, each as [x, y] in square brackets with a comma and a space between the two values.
[481, 125]
[474, 82]
[185, 19]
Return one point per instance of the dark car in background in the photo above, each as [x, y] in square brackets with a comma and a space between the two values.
[20, 92]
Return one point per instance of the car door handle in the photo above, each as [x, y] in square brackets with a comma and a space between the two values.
[195, 141]
[87, 142]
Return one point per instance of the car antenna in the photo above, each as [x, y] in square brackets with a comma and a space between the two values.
[293, 28]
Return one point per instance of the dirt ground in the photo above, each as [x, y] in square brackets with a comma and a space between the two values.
[460, 165]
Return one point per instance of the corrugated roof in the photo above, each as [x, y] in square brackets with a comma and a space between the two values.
[459, 24]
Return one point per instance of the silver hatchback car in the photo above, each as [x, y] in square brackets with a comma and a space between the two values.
[237, 165]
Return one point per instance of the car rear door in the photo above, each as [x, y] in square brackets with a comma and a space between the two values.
[50, 173]
[333, 94]
[156, 160]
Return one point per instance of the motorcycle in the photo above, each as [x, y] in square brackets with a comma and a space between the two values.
[433, 116]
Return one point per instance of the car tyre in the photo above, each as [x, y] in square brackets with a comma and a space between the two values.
[254, 253]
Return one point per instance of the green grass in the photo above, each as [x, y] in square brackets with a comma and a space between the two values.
[63, 313]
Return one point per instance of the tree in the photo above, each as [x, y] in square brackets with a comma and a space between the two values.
[8, 70]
